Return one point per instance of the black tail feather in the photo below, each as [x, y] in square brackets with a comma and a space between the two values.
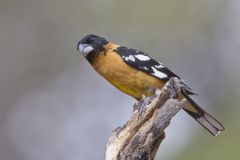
[202, 117]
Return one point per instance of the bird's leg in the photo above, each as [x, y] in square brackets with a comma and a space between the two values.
[142, 103]
[158, 92]
[145, 100]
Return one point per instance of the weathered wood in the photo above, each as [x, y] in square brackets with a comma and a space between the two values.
[140, 137]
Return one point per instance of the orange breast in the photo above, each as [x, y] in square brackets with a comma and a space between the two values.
[131, 81]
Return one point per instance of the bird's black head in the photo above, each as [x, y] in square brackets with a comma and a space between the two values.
[91, 45]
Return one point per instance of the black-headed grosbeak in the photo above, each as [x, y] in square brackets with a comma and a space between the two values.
[138, 75]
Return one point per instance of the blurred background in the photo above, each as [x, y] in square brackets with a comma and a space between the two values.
[53, 106]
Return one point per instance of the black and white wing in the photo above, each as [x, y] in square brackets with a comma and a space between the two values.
[142, 61]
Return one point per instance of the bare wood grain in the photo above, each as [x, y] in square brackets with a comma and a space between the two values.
[140, 137]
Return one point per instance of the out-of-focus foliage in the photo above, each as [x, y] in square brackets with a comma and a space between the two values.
[53, 106]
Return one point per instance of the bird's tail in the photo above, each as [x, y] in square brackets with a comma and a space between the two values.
[202, 117]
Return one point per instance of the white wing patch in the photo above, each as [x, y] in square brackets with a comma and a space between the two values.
[129, 58]
[158, 73]
[141, 61]
[144, 68]
[160, 65]
[142, 57]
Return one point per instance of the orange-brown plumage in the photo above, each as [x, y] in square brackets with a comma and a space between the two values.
[126, 78]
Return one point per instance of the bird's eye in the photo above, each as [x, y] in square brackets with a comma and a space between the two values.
[91, 40]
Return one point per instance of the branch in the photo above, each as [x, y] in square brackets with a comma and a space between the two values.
[140, 137]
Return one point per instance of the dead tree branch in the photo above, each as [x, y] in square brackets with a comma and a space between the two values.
[140, 137]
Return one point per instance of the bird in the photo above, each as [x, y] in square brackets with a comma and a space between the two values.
[138, 75]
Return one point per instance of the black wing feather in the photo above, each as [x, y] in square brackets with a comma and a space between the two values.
[149, 66]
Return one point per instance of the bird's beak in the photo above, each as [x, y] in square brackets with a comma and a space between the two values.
[85, 49]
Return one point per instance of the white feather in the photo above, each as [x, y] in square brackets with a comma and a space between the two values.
[160, 66]
[131, 58]
[142, 57]
[158, 73]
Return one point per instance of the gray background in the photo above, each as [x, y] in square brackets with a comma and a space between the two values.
[53, 106]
